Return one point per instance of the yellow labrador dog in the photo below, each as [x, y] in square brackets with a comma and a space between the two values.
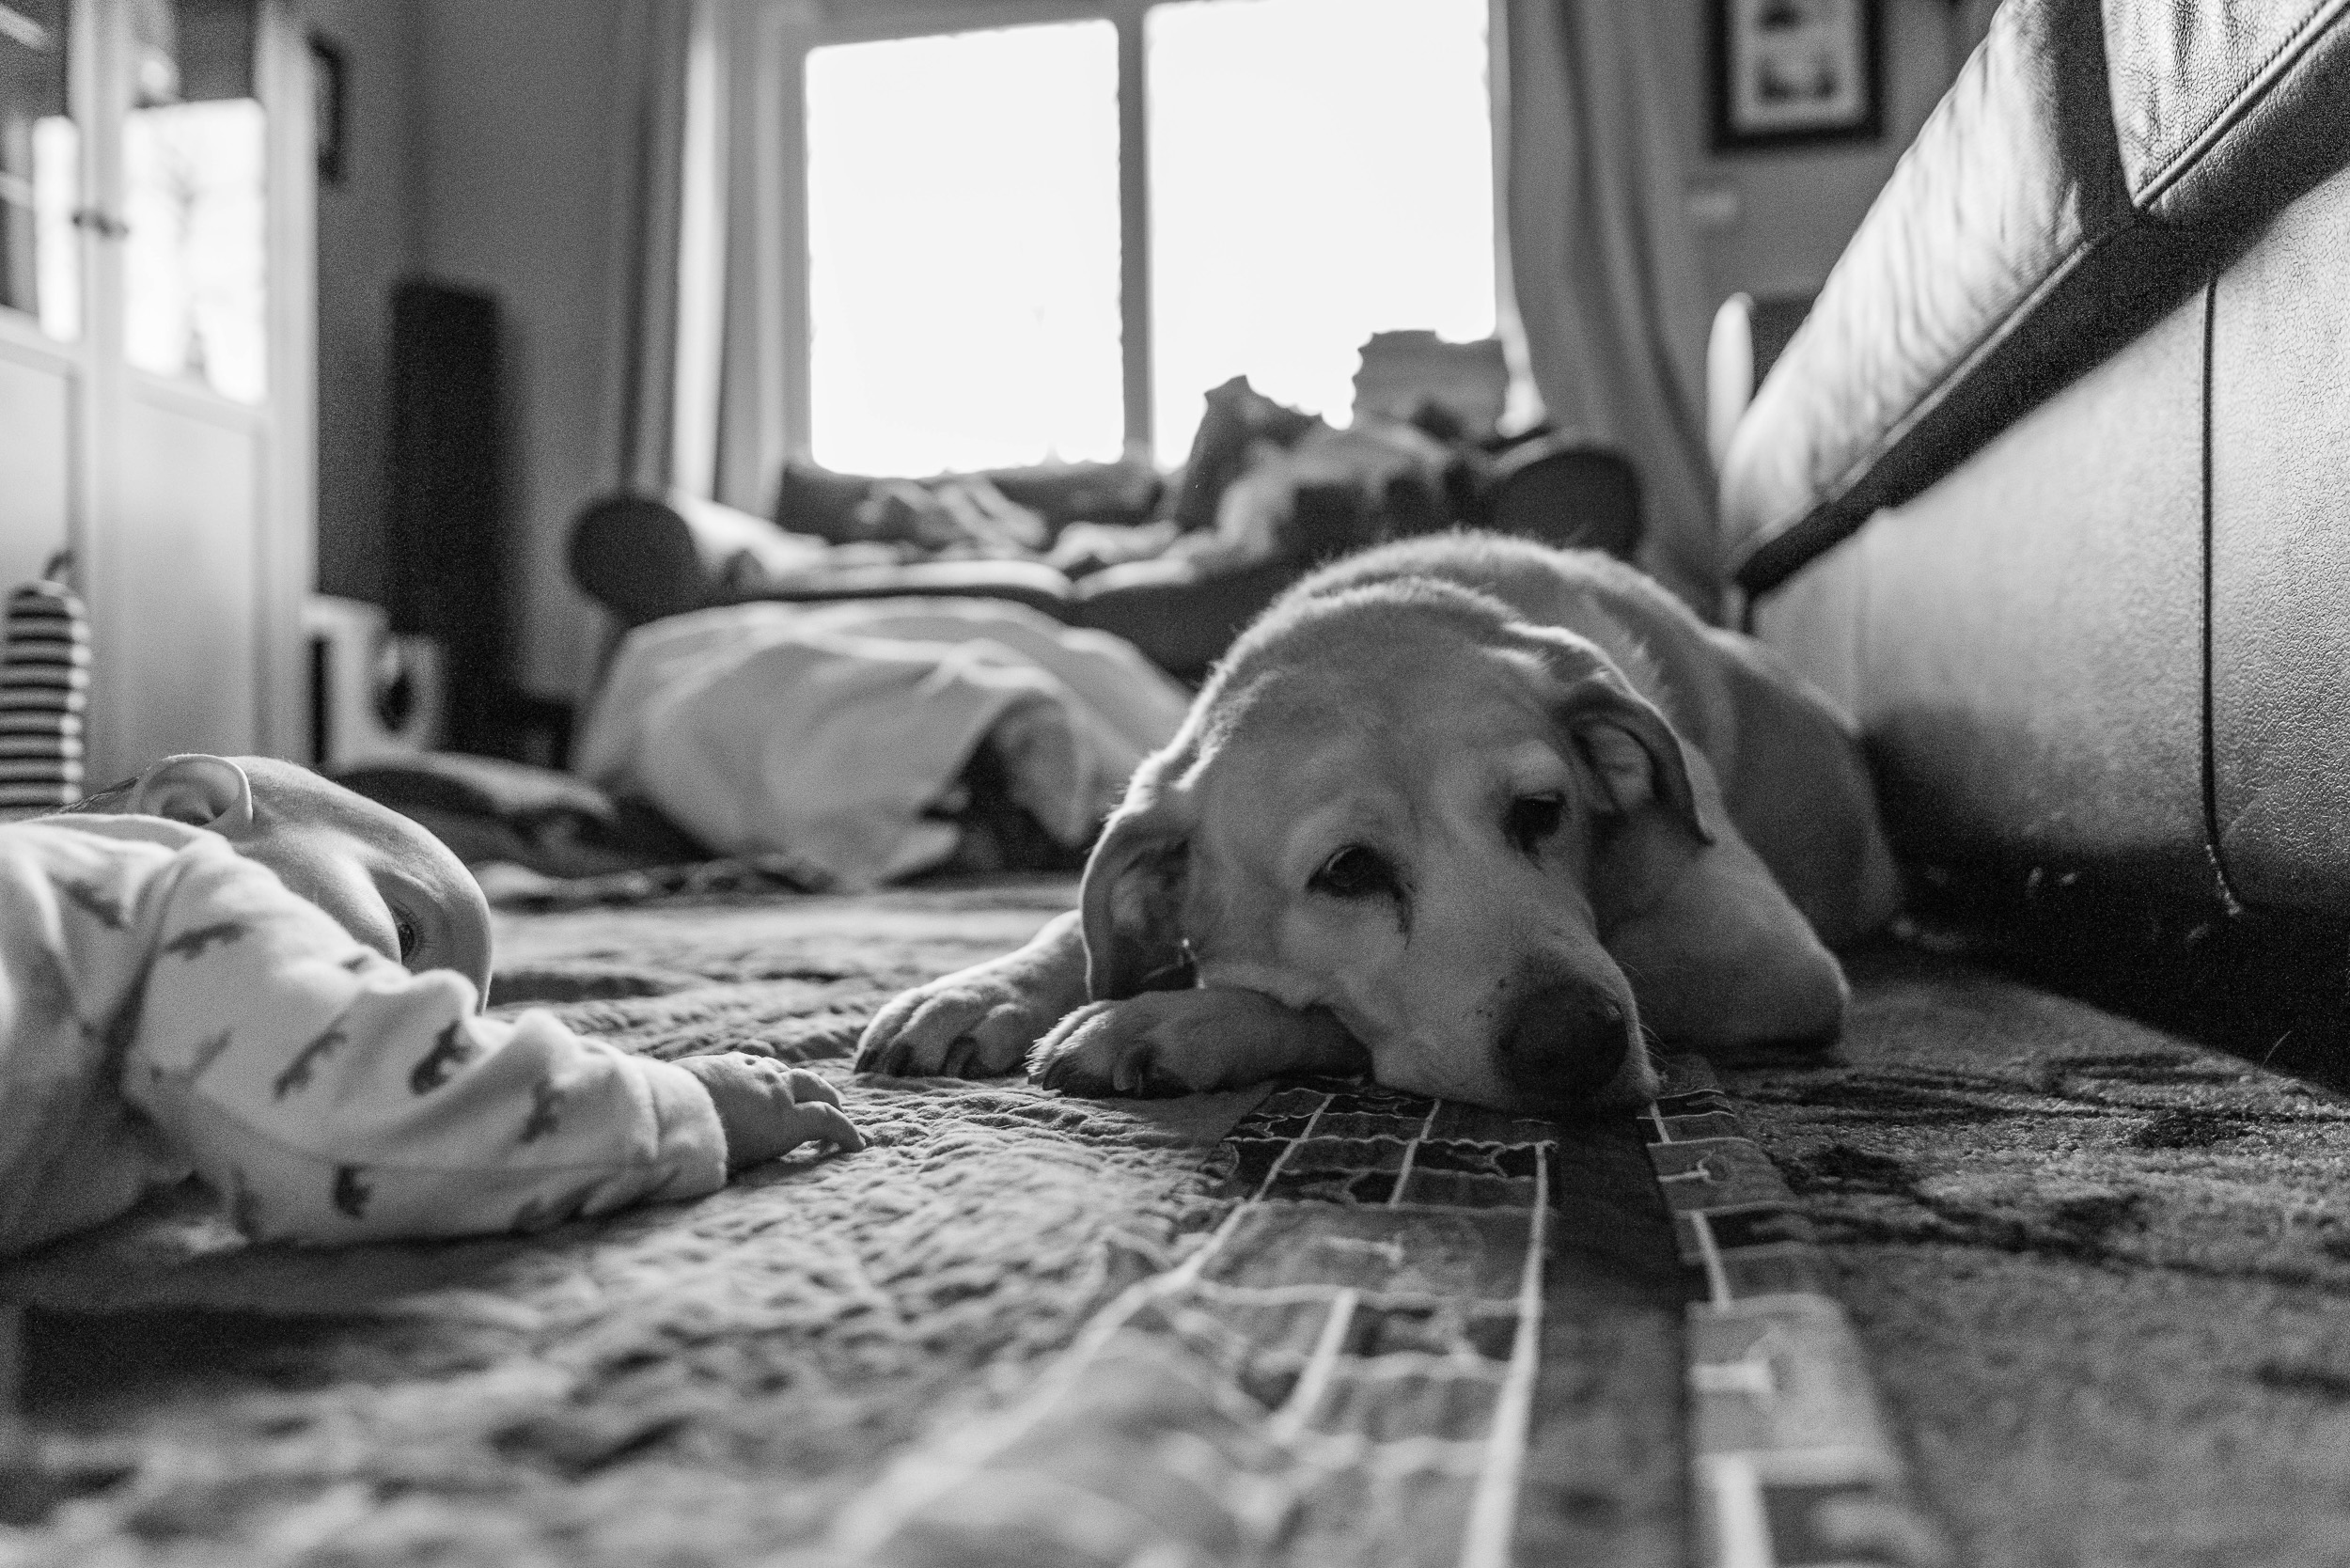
[1482, 814]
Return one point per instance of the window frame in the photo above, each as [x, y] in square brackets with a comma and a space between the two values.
[766, 356]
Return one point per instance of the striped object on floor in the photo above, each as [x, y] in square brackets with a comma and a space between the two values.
[44, 689]
[1359, 1361]
[1792, 1461]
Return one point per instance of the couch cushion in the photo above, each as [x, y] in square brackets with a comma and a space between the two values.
[815, 500]
[2086, 170]
[1183, 618]
[644, 558]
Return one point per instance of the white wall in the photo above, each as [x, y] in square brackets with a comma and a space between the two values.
[517, 145]
[477, 149]
[1795, 209]
[367, 228]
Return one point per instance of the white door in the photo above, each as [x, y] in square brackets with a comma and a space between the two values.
[43, 371]
[183, 385]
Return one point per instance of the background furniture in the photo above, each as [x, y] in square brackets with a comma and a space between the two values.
[644, 556]
[2047, 490]
[446, 530]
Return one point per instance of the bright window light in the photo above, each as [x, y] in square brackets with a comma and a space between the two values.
[194, 263]
[57, 196]
[963, 218]
[1320, 170]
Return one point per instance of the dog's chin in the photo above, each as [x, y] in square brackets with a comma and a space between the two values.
[1632, 1086]
[1554, 1097]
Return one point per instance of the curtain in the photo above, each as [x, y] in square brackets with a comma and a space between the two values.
[653, 61]
[1608, 291]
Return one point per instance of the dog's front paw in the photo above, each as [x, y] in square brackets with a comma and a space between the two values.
[1142, 1045]
[978, 1023]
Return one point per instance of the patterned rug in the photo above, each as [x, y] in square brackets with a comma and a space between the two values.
[2100, 1273]
[2049, 1286]
[1322, 1324]
[1420, 1333]
[704, 1383]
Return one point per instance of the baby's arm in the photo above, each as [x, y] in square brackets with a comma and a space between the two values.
[330, 1095]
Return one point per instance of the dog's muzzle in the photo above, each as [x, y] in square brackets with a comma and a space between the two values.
[1566, 1043]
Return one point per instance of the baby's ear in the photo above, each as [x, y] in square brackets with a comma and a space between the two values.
[199, 789]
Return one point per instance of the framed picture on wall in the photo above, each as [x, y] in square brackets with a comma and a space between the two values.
[1789, 73]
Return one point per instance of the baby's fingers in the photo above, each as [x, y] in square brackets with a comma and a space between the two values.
[830, 1124]
[804, 1086]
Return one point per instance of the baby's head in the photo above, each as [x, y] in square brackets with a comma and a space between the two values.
[389, 883]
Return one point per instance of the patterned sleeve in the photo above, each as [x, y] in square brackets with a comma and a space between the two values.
[330, 1095]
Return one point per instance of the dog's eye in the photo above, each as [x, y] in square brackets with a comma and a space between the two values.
[1355, 872]
[1533, 819]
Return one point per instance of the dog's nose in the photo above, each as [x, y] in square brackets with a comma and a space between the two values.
[1566, 1042]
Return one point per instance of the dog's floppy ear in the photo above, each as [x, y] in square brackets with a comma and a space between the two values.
[1629, 747]
[1133, 898]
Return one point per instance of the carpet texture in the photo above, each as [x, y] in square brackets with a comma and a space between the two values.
[703, 1383]
[1418, 1336]
[2099, 1274]
[2102, 1273]
[1318, 1323]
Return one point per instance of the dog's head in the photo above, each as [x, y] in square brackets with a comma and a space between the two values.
[1403, 805]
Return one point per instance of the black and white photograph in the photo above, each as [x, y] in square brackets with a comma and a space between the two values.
[1796, 70]
[1174, 784]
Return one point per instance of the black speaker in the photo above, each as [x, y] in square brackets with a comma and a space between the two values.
[444, 547]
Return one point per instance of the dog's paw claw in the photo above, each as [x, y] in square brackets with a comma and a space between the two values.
[1104, 1051]
[1152, 1082]
[1064, 1076]
[942, 1030]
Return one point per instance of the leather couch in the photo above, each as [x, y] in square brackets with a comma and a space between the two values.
[646, 557]
[2051, 489]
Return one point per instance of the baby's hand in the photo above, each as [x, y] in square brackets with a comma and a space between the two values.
[767, 1108]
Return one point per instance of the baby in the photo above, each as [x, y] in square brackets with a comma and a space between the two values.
[235, 968]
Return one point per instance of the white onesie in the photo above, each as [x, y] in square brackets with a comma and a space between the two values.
[167, 1007]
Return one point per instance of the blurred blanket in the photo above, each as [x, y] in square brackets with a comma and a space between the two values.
[835, 733]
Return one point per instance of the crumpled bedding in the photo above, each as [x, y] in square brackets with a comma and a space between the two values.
[833, 732]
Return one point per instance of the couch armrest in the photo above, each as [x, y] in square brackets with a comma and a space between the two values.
[644, 556]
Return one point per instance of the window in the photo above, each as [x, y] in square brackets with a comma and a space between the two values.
[963, 262]
[40, 169]
[1320, 170]
[1298, 175]
[194, 200]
